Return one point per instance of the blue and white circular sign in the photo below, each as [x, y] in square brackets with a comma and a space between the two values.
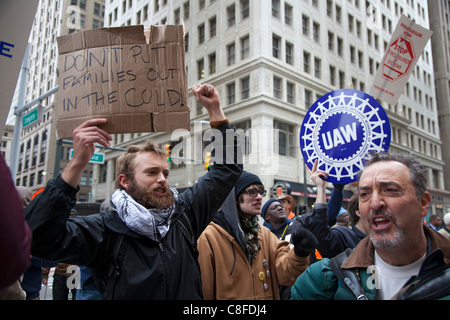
[340, 129]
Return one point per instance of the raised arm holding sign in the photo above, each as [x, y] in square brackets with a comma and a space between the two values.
[151, 231]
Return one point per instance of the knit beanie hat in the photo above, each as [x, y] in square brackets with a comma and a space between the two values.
[266, 205]
[244, 181]
[341, 211]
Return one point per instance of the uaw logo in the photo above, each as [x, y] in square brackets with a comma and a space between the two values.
[340, 130]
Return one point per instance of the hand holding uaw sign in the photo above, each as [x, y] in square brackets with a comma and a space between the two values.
[344, 126]
[340, 129]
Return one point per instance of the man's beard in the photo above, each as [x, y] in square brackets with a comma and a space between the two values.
[146, 198]
[382, 242]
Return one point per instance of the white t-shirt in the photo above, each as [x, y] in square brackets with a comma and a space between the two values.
[390, 279]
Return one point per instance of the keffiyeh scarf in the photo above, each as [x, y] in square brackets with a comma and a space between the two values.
[152, 223]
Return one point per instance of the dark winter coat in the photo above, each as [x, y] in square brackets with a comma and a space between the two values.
[145, 269]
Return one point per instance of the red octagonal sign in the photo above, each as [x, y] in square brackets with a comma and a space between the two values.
[399, 59]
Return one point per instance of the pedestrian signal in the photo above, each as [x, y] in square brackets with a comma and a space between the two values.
[207, 160]
[168, 148]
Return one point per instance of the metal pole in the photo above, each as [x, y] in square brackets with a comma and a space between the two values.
[18, 123]
[18, 111]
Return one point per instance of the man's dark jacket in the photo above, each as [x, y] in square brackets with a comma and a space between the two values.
[145, 269]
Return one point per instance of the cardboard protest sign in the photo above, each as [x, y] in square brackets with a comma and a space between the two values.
[406, 46]
[135, 79]
[340, 130]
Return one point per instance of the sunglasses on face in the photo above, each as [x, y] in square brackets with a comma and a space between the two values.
[253, 192]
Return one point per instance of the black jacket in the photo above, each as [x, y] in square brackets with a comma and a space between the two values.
[332, 241]
[146, 269]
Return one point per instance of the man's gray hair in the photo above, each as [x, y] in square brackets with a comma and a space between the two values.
[418, 172]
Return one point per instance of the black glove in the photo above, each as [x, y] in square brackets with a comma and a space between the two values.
[304, 241]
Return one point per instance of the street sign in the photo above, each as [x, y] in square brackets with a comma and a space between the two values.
[32, 118]
[98, 158]
[340, 130]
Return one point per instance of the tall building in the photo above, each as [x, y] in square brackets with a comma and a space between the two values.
[270, 60]
[439, 12]
[38, 160]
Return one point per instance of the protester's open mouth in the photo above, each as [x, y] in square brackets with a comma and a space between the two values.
[160, 191]
[380, 222]
[257, 205]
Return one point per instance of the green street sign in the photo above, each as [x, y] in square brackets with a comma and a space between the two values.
[30, 118]
[96, 158]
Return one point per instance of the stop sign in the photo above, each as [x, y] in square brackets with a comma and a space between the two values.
[398, 59]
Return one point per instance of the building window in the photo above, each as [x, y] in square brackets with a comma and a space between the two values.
[35, 150]
[32, 179]
[84, 179]
[330, 41]
[186, 42]
[231, 54]
[276, 46]
[103, 172]
[212, 27]
[306, 61]
[290, 92]
[27, 155]
[289, 53]
[231, 93]
[212, 63]
[245, 9]
[231, 15]
[19, 167]
[308, 98]
[186, 9]
[332, 75]
[277, 87]
[276, 8]
[316, 32]
[40, 178]
[288, 14]
[305, 25]
[243, 128]
[245, 88]
[200, 69]
[317, 68]
[285, 139]
[245, 47]
[201, 33]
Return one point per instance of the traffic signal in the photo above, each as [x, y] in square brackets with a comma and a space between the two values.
[207, 160]
[168, 148]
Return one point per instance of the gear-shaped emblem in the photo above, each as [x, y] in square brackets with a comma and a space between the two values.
[340, 129]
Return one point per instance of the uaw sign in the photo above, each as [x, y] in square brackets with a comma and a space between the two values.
[405, 48]
[340, 130]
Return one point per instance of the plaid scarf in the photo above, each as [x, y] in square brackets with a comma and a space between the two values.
[251, 229]
[152, 223]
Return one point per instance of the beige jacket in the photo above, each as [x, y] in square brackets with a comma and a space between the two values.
[228, 275]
